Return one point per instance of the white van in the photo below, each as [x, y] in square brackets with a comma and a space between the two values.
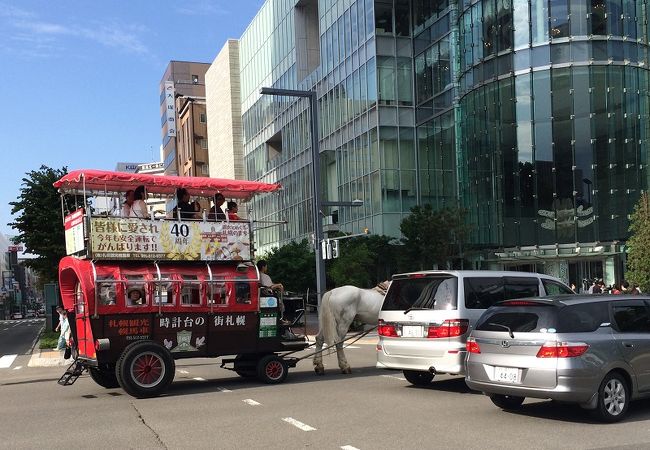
[426, 316]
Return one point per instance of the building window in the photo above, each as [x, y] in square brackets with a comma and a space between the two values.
[204, 144]
[195, 79]
[203, 118]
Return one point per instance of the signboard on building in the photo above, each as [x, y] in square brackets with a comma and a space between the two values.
[122, 238]
[170, 108]
[15, 248]
[74, 232]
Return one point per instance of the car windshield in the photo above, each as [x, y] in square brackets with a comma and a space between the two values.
[436, 292]
[579, 318]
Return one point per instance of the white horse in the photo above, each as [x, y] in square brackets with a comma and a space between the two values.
[338, 309]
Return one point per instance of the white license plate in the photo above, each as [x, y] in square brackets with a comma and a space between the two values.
[506, 374]
[411, 331]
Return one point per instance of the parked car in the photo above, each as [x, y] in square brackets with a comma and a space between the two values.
[17, 316]
[589, 350]
[426, 316]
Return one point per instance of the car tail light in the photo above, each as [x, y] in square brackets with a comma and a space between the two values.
[386, 329]
[449, 328]
[562, 349]
[472, 346]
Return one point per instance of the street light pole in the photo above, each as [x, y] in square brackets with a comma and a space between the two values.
[316, 182]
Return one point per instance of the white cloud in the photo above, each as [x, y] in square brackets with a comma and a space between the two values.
[37, 36]
[201, 8]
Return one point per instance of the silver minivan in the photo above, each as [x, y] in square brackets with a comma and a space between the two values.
[426, 316]
[592, 350]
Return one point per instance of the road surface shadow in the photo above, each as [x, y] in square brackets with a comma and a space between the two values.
[41, 380]
[456, 385]
[567, 412]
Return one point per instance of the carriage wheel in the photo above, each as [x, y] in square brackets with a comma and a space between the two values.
[245, 365]
[272, 369]
[145, 369]
[105, 377]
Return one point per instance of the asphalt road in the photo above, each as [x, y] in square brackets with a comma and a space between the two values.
[16, 339]
[208, 407]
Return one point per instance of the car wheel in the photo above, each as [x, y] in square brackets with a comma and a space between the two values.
[613, 398]
[507, 401]
[418, 377]
[145, 369]
[104, 377]
[272, 369]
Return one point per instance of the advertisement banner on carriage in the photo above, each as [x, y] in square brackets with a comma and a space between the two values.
[74, 232]
[132, 238]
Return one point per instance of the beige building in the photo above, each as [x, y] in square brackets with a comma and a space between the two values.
[223, 98]
[184, 119]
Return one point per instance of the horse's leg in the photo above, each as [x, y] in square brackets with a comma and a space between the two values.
[318, 357]
[343, 363]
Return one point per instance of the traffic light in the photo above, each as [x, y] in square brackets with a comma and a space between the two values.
[335, 248]
[366, 230]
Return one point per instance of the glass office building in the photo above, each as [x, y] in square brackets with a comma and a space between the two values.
[531, 114]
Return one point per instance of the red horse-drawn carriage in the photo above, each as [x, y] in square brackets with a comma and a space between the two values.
[142, 292]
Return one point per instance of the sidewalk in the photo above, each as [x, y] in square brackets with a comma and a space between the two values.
[48, 358]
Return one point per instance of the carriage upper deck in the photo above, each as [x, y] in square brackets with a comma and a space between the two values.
[105, 234]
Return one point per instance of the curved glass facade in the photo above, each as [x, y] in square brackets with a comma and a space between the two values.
[552, 119]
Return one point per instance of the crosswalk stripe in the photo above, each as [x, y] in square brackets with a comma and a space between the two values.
[6, 361]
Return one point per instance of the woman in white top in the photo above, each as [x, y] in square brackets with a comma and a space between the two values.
[128, 202]
[139, 207]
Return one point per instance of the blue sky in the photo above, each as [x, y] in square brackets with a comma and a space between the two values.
[79, 79]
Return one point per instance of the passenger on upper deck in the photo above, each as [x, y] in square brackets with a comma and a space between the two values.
[188, 210]
[232, 211]
[139, 207]
[128, 201]
[216, 213]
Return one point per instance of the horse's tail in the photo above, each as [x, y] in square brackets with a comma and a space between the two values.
[327, 321]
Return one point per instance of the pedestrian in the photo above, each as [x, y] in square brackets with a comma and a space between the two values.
[64, 328]
[187, 210]
[597, 288]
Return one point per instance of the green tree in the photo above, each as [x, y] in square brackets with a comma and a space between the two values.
[353, 266]
[433, 238]
[638, 257]
[363, 261]
[39, 222]
[293, 266]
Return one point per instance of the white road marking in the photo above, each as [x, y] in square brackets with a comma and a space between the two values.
[351, 346]
[18, 367]
[298, 424]
[348, 447]
[394, 377]
[184, 372]
[6, 361]
[250, 401]
[223, 389]
[198, 379]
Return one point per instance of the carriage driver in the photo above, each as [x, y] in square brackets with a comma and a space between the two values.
[265, 281]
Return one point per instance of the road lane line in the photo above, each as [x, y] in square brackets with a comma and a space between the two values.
[184, 372]
[18, 367]
[298, 424]
[198, 379]
[394, 377]
[250, 401]
[351, 346]
[6, 361]
[348, 447]
[223, 389]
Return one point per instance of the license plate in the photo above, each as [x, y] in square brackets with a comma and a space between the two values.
[506, 374]
[411, 331]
